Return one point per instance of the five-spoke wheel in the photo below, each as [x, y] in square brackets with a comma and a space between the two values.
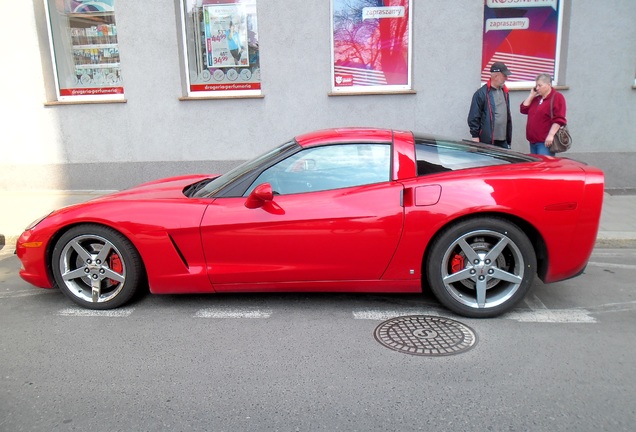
[481, 267]
[96, 267]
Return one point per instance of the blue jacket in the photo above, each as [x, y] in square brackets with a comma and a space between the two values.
[481, 115]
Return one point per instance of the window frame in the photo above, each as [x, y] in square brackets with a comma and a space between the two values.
[211, 85]
[344, 77]
[516, 61]
[87, 91]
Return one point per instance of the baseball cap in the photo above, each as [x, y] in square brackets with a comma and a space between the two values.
[500, 67]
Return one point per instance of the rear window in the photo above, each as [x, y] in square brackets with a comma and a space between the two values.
[436, 156]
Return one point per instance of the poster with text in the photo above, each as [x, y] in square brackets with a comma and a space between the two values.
[85, 50]
[524, 34]
[225, 36]
[222, 54]
[371, 45]
[88, 6]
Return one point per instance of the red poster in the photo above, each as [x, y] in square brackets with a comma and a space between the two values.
[524, 35]
[371, 44]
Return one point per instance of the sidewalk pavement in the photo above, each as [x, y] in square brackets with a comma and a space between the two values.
[20, 208]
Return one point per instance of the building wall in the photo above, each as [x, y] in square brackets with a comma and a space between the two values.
[154, 134]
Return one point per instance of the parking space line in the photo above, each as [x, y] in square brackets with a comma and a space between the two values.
[534, 303]
[538, 313]
[79, 312]
[559, 316]
[233, 313]
[383, 314]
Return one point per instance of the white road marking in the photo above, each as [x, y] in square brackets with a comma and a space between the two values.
[560, 316]
[233, 313]
[534, 303]
[541, 314]
[384, 314]
[79, 312]
[538, 314]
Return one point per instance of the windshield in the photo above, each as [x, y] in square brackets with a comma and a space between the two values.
[254, 165]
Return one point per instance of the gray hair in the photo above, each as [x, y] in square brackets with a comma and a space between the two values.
[544, 78]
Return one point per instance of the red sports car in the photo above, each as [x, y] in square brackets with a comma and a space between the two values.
[340, 210]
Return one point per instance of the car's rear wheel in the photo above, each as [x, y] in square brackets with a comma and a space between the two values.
[481, 267]
[96, 267]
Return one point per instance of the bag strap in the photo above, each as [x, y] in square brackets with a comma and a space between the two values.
[551, 107]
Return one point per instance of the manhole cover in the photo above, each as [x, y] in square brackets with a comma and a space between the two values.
[425, 335]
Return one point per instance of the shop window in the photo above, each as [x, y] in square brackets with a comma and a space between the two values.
[526, 36]
[84, 48]
[371, 46]
[221, 48]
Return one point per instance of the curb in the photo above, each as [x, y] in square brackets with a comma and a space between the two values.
[616, 243]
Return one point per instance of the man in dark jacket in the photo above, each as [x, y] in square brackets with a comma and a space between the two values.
[489, 118]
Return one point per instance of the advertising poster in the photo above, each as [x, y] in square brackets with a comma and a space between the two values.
[371, 40]
[524, 35]
[89, 6]
[225, 36]
[85, 50]
[222, 50]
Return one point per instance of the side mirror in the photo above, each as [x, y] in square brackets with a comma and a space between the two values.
[259, 196]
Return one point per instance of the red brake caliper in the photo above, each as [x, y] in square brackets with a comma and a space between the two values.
[457, 263]
[114, 262]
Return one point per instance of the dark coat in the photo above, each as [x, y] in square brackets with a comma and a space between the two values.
[481, 115]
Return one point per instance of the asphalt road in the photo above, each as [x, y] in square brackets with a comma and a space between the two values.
[564, 361]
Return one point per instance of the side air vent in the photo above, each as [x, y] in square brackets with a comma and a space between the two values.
[176, 248]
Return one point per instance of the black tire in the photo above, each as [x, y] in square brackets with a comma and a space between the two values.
[481, 267]
[96, 267]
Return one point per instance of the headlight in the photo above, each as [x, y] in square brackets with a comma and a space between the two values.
[37, 221]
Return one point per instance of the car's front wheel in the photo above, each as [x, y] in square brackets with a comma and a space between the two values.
[481, 267]
[96, 267]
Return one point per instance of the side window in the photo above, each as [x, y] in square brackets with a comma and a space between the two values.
[328, 167]
[428, 160]
[439, 156]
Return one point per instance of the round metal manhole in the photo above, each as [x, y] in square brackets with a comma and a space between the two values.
[425, 335]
